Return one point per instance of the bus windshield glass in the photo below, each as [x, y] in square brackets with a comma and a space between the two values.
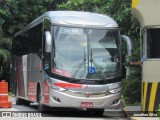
[82, 53]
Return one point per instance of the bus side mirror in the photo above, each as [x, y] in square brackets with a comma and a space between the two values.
[129, 44]
[48, 42]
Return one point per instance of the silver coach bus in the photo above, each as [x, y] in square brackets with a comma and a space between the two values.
[68, 59]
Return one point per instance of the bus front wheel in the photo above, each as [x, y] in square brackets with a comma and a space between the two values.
[39, 99]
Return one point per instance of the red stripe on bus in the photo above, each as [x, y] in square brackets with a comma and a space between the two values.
[68, 85]
[46, 92]
[86, 87]
[32, 97]
[32, 89]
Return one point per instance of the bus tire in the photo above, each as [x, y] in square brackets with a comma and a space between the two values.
[96, 111]
[17, 99]
[27, 103]
[41, 107]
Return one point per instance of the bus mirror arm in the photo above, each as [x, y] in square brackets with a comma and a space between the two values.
[129, 44]
[48, 42]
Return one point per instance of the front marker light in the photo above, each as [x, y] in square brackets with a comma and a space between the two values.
[114, 91]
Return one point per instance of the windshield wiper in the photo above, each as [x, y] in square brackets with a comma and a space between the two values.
[79, 66]
[95, 64]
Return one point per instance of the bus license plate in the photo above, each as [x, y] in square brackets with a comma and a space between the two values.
[86, 104]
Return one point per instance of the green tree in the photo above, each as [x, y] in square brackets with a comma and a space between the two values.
[5, 47]
[14, 15]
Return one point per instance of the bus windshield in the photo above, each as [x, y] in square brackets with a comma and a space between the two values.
[82, 53]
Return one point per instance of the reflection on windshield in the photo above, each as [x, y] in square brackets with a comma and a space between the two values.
[86, 53]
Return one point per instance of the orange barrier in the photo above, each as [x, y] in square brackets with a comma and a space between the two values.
[4, 95]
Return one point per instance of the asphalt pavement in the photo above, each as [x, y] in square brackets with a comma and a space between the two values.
[71, 114]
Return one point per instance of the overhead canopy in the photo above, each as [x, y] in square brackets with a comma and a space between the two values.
[147, 12]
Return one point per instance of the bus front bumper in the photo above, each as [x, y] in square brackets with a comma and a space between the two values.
[61, 99]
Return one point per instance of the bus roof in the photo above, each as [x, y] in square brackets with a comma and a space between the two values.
[82, 19]
[74, 19]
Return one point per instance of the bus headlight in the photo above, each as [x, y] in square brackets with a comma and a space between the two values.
[51, 85]
[114, 91]
[60, 89]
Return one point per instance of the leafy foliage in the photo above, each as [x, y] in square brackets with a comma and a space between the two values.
[5, 45]
[158, 111]
[14, 15]
[132, 86]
